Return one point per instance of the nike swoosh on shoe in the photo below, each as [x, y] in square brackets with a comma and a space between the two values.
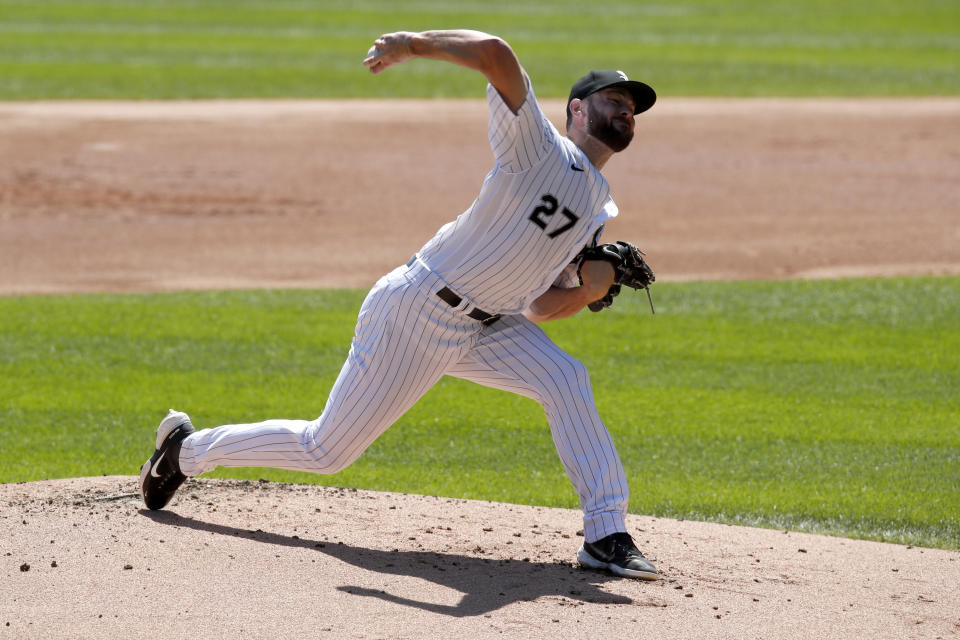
[153, 468]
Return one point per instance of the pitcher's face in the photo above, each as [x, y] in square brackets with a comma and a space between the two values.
[610, 117]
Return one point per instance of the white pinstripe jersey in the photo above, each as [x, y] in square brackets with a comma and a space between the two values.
[542, 202]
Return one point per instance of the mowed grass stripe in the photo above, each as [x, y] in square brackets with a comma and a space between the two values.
[127, 49]
[824, 406]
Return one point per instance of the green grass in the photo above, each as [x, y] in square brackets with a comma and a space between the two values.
[827, 406]
[300, 48]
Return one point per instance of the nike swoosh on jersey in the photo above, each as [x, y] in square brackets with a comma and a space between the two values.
[153, 469]
[575, 167]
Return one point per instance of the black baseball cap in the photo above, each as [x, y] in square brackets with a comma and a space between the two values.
[643, 95]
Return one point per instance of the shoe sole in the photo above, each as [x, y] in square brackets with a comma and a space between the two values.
[144, 470]
[587, 560]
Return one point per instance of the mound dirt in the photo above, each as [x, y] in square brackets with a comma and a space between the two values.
[83, 558]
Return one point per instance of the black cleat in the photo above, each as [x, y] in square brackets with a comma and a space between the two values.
[617, 554]
[160, 476]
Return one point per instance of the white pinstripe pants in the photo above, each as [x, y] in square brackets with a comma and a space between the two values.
[406, 340]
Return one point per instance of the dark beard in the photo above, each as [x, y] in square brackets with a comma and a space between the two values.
[603, 130]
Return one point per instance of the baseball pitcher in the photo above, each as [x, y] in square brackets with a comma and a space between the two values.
[468, 302]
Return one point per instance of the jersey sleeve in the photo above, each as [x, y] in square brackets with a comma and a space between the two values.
[518, 140]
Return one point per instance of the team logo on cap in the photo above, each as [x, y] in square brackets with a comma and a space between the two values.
[622, 74]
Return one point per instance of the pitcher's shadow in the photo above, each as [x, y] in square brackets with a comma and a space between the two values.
[486, 584]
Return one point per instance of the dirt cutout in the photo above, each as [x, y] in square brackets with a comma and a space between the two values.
[209, 195]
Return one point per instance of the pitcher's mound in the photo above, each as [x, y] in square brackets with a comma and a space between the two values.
[230, 559]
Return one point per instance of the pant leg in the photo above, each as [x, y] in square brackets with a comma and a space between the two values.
[516, 355]
[405, 340]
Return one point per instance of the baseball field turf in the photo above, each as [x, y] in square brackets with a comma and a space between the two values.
[302, 48]
[826, 406]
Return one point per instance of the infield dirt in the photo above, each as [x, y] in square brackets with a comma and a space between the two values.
[202, 195]
[197, 195]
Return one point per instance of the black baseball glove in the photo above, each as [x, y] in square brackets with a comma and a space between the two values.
[630, 269]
